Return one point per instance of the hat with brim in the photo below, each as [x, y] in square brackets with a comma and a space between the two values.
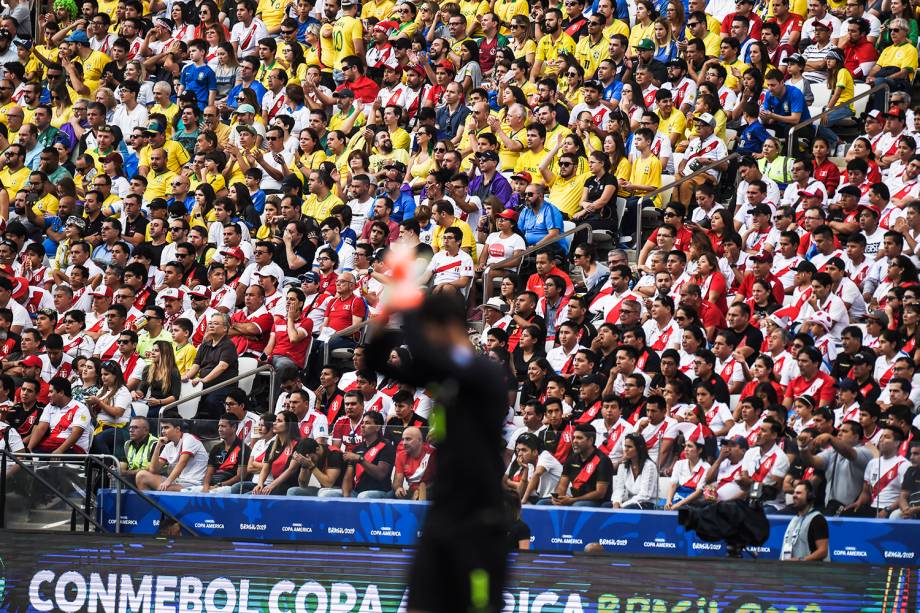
[245, 108]
[240, 128]
[497, 304]
[646, 44]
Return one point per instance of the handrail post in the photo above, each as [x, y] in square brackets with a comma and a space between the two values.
[670, 187]
[207, 390]
[6, 445]
[790, 137]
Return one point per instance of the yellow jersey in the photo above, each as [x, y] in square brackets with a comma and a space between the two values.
[169, 112]
[530, 162]
[272, 13]
[646, 171]
[176, 155]
[92, 69]
[320, 209]
[471, 10]
[158, 185]
[548, 51]
[903, 56]
[344, 33]
[589, 54]
[468, 242]
[14, 181]
[381, 10]
[675, 123]
[731, 81]
[565, 194]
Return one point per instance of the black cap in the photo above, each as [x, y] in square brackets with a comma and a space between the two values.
[594, 378]
[848, 384]
[806, 266]
[864, 357]
[850, 190]
[678, 63]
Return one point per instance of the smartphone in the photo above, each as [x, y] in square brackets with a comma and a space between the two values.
[554, 495]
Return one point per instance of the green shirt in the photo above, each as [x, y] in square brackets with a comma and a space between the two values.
[145, 342]
[137, 457]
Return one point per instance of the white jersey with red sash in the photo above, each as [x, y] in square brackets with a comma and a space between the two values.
[246, 427]
[658, 339]
[49, 370]
[725, 486]
[95, 322]
[884, 479]
[749, 433]
[78, 346]
[106, 346]
[782, 269]
[884, 369]
[380, 403]
[415, 469]
[218, 296]
[713, 147]
[887, 144]
[768, 468]
[131, 365]
[730, 370]
[199, 323]
[314, 425]
[799, 299]
[718, 416]
[904, 448]
[61, 422]
[656, 435]
[648, 96]
[561, 359]
[610, 441]
[850, 413]
[369, 457]
[682, 92]
[612, 304]
[413, 99]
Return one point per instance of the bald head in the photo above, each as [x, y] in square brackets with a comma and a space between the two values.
[412, 441]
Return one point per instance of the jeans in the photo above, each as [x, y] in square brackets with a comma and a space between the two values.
[303, 491]
[111, 441]
[212, 405]
[577, 503]
[243, 488]
[336, 492]
[826, 131]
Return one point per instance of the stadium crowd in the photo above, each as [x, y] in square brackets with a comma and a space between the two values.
[185, 185]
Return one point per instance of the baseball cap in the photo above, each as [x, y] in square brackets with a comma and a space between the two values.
[848, 384]
[645, 44]
[874, 115]
[343, 93]
[879, 316]
[763, 258]
[593, 84]
[73, 220]
[706, 118]
[822, 319]
[850, 190]
[827, 25]
[163, 21]
[895, 112]
[678, 63]
[495, 302]
[796, 58]
[200, 291]
[77, 36]
[234, 252]
[155, 127]
[523, 176]
[869, 207]
[244, 128]
[172, 293]
[103, 291]
[23, 43]
[271, 270]
[447, 65]
[245, 108]
[761, 209]
[737, 440]
[594, 379]
[385, 26]
[809, 193]
[863, 358]
[32, 361]
[309, 277]
[508, 214]
[20, 288]
[113, 157]
[488, 155]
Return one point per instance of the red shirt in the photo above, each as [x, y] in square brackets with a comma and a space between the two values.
[710, 315]
[792, 24]
[283, 346]
[747, 283]
[327, 283]
[416, 470]
[681, 242]
[340, 312]
[535, 282]
[259, 317]
[859, 58]
[365, 89]
[756, 25]
[829, 174]
[821, 388]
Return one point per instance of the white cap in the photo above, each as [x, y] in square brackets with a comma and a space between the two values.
[171, 292]
[271, 270]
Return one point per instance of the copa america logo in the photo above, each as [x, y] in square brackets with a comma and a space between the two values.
[2, 581]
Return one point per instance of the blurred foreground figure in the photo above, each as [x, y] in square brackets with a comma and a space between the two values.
[460, 563]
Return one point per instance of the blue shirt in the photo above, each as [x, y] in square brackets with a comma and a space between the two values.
[752, 138]
[536, 224]
[403, 207]
[255, 86]
[200, 80]
[55, 224]
[793, 101]
[258, 201]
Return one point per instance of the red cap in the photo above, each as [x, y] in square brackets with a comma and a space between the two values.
[32, 361]
[523, 176]
[869, 207]
[508, 214]
[103, 291]
[20, 288]
[234, 252]
[6, 269]
[447, 65]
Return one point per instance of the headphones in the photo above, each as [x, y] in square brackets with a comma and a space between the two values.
[809, 491]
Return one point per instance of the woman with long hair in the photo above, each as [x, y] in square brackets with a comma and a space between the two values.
[761, 371]
[762, 301]
[182, 30]
[677, 19]
[522, 41]
[910, 330]
[861, 148]
[825, 170]
[632, 103]
[76, 341]
[508, 289]
[112, 407]
[90, 373]
[61, 106]
[840, 83]
[711, 281]
[570, 93]
[692, 338]
[752, 92]
[469, 76]
[718, 417]
[615, 150]
[226, 69]
[160, 383]
[422, 162]
[135, 71]
[760, 58]
[309, 153]
[294, 61]
[688, 477]
[636, 483]
[598, 197]
[208, 14]
[529, 348]
[277, 462]
[665, 45]
[538, 373]
[644, 26]
[262, 439]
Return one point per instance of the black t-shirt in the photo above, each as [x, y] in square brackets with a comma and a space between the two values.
[721, 389]
[21, 419]
[911, 485]
[603, 472]
[517, 532]
[817, 529]
[331, 458]
[750, 337]
[395, 427]
[304, 249]
[596, 186]
[138, 226]
[386, 454]
[226, 462]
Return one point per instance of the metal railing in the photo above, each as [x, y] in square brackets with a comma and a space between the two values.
[487, 287]
[207, 390]
[6, 454]
[790, 139]
[96, 460]
[670, 187]
[343, 332]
